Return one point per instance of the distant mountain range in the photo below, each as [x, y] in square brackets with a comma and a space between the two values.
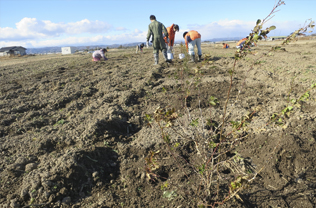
[224, 39]
[57, 49]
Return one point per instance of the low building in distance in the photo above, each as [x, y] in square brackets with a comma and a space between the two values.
[12, 50]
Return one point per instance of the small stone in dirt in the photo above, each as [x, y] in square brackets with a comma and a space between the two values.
[142, 177]
[69, 141]
[29, 167]
[81, 194]
[66, 200]
[24, 193]
[300, 180]
[15, 167]
[114, 157]
[63, 191]
[57, 204]
[113, 164]
[95, 174]
[51, 198]
[44, 175]
[21, 161]
[14, 203]
[46, 194]
[47, 184]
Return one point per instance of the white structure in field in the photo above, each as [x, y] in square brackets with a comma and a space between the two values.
[68, 50]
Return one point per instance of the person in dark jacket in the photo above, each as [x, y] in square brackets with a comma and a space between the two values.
[158, 31]
[140, 48]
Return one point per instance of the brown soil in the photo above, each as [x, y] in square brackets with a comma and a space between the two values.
[73, 133]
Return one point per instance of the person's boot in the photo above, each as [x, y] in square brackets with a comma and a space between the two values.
[192, 58]
[200, 58]
[165, 56]
[156, 56]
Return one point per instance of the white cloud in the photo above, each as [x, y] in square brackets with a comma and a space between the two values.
[33, 29]
[137, 31]
[121, 29]
[237, 28]
[31, 32]
[86, 26]
[224, 28]
[80, 41]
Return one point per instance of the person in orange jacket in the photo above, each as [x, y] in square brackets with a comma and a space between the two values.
[225, 45]
[171, 32]
[240, 43]
[191, 39]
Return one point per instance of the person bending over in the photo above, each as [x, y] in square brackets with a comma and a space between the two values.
[191, 39]
[99, 54]
[225, 45]
[171, 32]
[140, 47]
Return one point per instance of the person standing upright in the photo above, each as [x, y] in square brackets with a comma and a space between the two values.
[157, 29]
[171, 32]
[191, 39]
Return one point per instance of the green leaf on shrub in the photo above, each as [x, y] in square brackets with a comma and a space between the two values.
[304, 97]
[194, 122]
[166, 139]
[169, 194]
[212, 145]
[202, 169]
[258, 21]
[213, 101]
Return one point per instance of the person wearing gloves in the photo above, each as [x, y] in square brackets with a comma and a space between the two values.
[99, 54]
[157, 29]
[191, 39]
[171, 32]
[140, 47]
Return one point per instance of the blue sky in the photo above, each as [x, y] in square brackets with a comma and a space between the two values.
[41, 23]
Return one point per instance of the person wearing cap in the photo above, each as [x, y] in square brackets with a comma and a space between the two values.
[157, 30]
[171, 31]
[140, 47]
[225, 45]
[99, 54]
[191, 39]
